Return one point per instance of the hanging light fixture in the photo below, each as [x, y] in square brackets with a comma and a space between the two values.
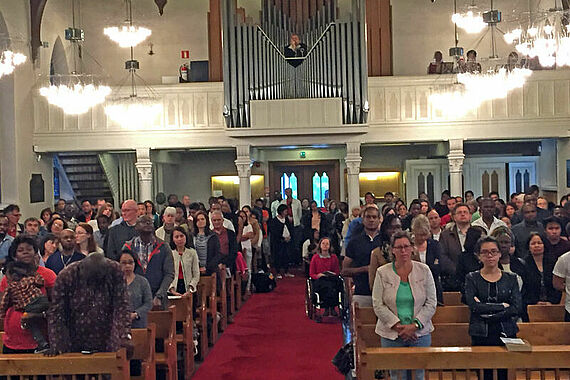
[476, 85]
[127, 35]
[9, 59]
[134, 111]
[76, 93]
[471, 20]
[546, 37]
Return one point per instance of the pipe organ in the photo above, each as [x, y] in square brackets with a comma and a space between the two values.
[256, 68]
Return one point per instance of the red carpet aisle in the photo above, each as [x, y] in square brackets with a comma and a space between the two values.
[271, 338]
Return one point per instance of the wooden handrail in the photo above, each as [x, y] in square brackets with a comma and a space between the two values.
[112, 363]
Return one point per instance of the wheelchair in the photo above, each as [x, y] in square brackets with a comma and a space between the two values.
[314, 301]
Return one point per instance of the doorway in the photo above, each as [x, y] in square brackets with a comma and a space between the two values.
[314, 180]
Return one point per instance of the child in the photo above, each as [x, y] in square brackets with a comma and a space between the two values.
[24, 293]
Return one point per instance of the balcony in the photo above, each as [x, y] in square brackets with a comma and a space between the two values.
[399, 112]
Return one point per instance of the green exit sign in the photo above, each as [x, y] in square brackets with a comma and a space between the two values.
[302, 154]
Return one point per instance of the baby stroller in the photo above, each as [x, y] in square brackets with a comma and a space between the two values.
[324, 293]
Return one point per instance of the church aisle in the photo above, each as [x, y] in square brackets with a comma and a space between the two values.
[271, 338]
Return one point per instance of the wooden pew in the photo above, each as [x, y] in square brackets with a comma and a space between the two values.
[114, 364]
[443, 314]
[438, 359]
[144, 342]
[165, 322]
[230, 290]
[207, 306]
[546, 313]
[451, 314]
[222, 300]
[184, 315]
[545, 333]
[452, 298]
[237, 290]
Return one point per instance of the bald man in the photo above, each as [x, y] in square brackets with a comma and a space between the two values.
[122, 232]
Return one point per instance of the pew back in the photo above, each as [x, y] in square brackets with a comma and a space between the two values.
[443, 314]
[546, 313]
[452, 298]
[439, 359]
[144, 342]
[114, 364]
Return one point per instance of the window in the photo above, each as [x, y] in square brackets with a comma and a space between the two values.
[320, 188]
[289, 181]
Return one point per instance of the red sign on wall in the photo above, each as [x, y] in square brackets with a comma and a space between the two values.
[185, 54]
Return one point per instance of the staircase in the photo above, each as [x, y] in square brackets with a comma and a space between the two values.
[86, 176]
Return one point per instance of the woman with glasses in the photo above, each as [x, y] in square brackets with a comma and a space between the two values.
[404, 299]
[494, 299]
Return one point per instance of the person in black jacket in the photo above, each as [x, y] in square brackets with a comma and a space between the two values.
[537, 278]
[207, 244]
[468, 260]
[494, 299]
[228, 242]
[315, 220]
[281, 230]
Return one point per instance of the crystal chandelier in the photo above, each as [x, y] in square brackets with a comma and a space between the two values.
[77, 93]
[75, 99]
[547, 38]
[471, 21]
[9, 60]
[475, 86]
[127, 35]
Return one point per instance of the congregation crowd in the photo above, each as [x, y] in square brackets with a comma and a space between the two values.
[118, 266]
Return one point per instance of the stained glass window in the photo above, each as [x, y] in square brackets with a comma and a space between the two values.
[289, 182]
[317, 194]
[324, 186]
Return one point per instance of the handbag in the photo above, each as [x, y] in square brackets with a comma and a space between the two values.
[344, 359]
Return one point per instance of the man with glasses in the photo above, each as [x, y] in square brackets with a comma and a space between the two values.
[14, 215]
[358, 253]
[452, 241]
[119, 234]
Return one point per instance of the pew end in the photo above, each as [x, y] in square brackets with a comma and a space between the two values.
[184, 315]
[165, 322]
[144, 343]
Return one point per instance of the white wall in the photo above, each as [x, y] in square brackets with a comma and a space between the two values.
[184, 26]
[18, 160]
[191, 175]
[420, 27]
[563, 147]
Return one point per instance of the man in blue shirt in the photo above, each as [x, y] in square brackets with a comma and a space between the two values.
[358, 253]
[5, 239]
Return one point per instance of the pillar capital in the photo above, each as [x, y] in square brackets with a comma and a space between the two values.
[243, 166]
[353, 158]
[144, 164]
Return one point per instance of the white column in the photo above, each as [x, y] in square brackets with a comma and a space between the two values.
[352, 161]
[456, 158]
[243, 165]
[144, 168]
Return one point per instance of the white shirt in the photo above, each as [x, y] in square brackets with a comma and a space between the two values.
[562, 269]
[246, 244]
[422, 256]
[496, 223]
[286, 233]
[436, 236]
[227, 224]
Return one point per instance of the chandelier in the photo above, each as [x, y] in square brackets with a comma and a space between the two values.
[75, 99]
[9, 60]
[127, 35]
[475, 85]
[76, 93]
[546, 38]
[471, 21]
[134, 112]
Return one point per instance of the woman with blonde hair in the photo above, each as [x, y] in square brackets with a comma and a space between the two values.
[427, 251]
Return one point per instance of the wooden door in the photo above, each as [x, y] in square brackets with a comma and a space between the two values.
[304, 178]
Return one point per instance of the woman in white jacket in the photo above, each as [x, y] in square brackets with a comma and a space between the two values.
[186, 264]
[404, 299]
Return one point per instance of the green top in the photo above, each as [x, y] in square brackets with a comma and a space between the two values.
[404, 302]
[475, 216]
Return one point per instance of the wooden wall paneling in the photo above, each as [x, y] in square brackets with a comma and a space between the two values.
[215, 70]
[379, 35]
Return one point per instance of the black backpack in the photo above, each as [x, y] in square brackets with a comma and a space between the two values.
[263, 282]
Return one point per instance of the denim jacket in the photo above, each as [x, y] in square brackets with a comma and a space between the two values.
[485, 312]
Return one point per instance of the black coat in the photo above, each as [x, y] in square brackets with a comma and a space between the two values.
[433, 261]
[229, 260]
[532, 283]
[488, 311]
[276, 232]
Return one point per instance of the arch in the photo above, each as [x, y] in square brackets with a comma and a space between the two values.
[58, 62]
[8, 187]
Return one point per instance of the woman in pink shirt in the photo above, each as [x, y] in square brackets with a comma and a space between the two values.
[324, 270]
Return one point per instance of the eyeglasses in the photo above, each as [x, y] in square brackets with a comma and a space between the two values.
[402, 247]
[492, 252]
